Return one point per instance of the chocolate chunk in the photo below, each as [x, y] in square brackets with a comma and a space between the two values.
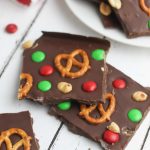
[134, 20]
[39, 63]
[109, 21]
[126, 118]
[10, 122]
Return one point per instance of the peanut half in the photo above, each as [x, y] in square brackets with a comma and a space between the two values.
[64, 87]
[105, 9]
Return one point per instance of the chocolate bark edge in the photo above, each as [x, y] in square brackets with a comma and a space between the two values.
[21, 120]
[78, 125]
[93, 40]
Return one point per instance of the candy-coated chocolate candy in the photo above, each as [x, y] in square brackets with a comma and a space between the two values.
[11, 28]
[135, 115]
[44, 85]
[119, 83]
[110, 137]
[98, 54]
[89, 86]
[46, 70]
[38, 56]
[64, 105]
[148, 24]
[25, 2]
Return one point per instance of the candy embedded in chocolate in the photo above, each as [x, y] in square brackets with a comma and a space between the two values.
[113, 134]
[134, 16]
[17, 127]
[75, 59]
[109, 21]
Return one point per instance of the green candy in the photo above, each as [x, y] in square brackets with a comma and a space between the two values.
[148, 23]
[38, 56]
[135, 115]
[98, 54]
[64, 105]
[44, 86]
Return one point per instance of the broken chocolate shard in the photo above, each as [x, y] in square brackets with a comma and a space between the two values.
[127, 116]
[18, 127]
[61, 57]
[134, 20]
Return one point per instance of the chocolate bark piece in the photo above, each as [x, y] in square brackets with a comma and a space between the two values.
[134, 21]
[53, 44]
[109, 21]
[125, 106]
[21, 121]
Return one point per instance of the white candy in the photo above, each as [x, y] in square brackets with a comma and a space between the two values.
[28, 4]
[115, 3]
[64, 87]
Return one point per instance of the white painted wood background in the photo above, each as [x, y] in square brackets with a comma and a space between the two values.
[54, 15]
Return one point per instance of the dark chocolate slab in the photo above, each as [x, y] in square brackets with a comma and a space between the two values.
[124, 103]
[110, 21]
[53, 44]
[22, 121]
[133, 19]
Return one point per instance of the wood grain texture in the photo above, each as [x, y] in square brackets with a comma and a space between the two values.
[55, 16]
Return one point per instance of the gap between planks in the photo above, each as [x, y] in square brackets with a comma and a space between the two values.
[55, 136]
[145, 138]
[23, 37]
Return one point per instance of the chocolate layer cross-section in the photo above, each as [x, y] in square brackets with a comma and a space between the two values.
[62, 67]
[134, 17]
[16, 132]
[111, 124]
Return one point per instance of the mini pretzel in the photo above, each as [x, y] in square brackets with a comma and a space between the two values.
[66, 71]
[105, 115]
[25, 141]
[144, 7]
[23, 90]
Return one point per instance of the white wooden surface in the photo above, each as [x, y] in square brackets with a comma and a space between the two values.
[55, 16]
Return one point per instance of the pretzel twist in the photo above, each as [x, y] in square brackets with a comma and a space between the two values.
[105, 115]
[23, 90]
[66, 71]
[25, 141]
[145, 8]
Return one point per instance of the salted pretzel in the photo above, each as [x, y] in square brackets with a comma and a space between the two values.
[66, 71]
[145, 8]
[104, 115]
[23, 90]
[25, 139]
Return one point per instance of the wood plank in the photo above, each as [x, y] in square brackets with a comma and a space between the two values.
[46, 126]
[146, 143]
[23, 16]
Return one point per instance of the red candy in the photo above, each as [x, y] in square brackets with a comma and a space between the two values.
[11, 28]
[119, 84]
[46, 70]
[89, 86]
[110, 137]
[25, 2]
